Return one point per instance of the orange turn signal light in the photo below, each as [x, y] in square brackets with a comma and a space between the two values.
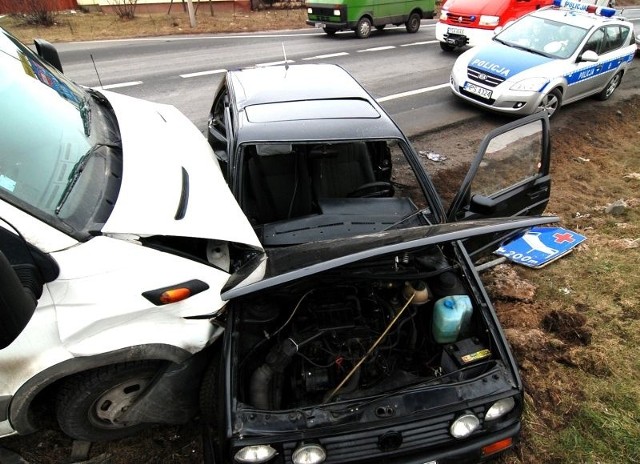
[174, 295]
[497, 446]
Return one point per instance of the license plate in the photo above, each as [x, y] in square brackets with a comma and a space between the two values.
[319, 25]
[477, 90]
[455, 30]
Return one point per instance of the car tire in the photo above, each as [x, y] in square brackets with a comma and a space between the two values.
[413, 23]
[380, 27]
[446, 47]
[329, 31]
[87, 404]
[551, 102]
[363, 28]
[611, 86]
[209, 392]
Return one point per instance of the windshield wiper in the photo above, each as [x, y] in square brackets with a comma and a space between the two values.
[85, 114]
[75, 173]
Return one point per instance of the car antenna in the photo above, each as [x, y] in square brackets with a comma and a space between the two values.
[284, 52]
[94, 67]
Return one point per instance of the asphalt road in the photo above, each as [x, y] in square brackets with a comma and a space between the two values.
[408, 73]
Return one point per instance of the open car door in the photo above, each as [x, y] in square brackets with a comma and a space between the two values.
[508, 177]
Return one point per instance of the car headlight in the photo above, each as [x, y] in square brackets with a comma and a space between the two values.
[255, 454]
[500, 408]
[310, 10]
[464, 426]
[486, 20]
[533, 84]
[309, 454]
[443, 14]
[336, 12]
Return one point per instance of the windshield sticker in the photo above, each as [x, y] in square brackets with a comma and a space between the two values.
[7, 183]
[35, 69]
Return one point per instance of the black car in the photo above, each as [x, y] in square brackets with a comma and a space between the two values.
[363, 333]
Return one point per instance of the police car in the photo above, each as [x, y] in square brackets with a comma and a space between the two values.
[547, 59]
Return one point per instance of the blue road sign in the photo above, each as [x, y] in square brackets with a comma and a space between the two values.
[539, 246]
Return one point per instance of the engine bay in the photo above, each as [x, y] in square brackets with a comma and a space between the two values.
[375, 328]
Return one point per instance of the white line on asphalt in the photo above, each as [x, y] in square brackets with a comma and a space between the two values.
[419, 43]
[412, 92]
[203, 73]
[122, 84]
[274, 63]
[330, 55]
[377, 49]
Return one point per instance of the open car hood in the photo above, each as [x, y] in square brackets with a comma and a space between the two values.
[282, 265]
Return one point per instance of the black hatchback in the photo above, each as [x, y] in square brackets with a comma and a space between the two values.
[363, 333]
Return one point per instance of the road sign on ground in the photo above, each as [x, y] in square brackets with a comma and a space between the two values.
[540, 245]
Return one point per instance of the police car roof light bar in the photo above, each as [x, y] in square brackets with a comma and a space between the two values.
[577, 5]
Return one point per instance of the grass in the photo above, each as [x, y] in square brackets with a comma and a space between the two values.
[80, 26]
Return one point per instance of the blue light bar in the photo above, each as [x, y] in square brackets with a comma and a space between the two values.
[576, 5]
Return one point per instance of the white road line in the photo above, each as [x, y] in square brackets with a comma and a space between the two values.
[203, 73]
[419, 43]
[412, 92]
[122, 84]
[377, 49]
[274, 63]
[321, 57]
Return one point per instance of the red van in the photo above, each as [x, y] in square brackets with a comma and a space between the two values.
[472, 22]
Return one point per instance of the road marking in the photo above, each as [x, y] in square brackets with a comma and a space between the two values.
[274, 63]
[412, 92]
[122, 84]
[321, 57]
[203, 73]
[420, 43]
[377, 49]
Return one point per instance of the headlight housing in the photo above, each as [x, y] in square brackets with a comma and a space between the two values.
[336, 12]
[310, 10]
[309, 453]
[255, 454]
[443, 14]
[464, 425]
[533, 84]
[486, 20]
[500, 408]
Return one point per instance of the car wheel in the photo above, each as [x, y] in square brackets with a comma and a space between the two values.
[413, 23]
[611, 86]
[551, 102]
[446, 47]
[210, 392]
[329, 31]
[380, 27]
[363, 28]
[89, 405]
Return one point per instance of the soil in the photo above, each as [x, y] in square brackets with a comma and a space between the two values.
[541, 339]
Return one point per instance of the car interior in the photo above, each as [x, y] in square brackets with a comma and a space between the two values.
[320, 189]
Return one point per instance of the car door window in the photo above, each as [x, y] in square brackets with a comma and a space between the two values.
[615, 37]
[595, 42]
[510, 174]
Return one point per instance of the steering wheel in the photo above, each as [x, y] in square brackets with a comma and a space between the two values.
[372, 190]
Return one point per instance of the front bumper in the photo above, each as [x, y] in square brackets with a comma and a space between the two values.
[502, 99]
[469, 36]
[351, 449]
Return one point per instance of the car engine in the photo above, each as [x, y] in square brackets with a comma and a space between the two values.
[343, 339]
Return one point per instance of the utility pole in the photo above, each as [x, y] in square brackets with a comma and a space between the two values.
[192, 16]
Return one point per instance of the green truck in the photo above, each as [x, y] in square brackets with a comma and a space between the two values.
[361, 16]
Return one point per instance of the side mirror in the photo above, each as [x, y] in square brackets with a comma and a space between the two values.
[589, 56]
[48, 52]
[17, 303]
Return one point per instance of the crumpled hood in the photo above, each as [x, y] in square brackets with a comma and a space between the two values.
[503, 61]
[171, 183]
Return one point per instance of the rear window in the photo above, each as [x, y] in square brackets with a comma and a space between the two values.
[311, 109]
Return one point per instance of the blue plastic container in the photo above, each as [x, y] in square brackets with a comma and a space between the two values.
[451, 317]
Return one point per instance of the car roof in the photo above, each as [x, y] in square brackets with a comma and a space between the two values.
[575, 17]
[305, 102]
